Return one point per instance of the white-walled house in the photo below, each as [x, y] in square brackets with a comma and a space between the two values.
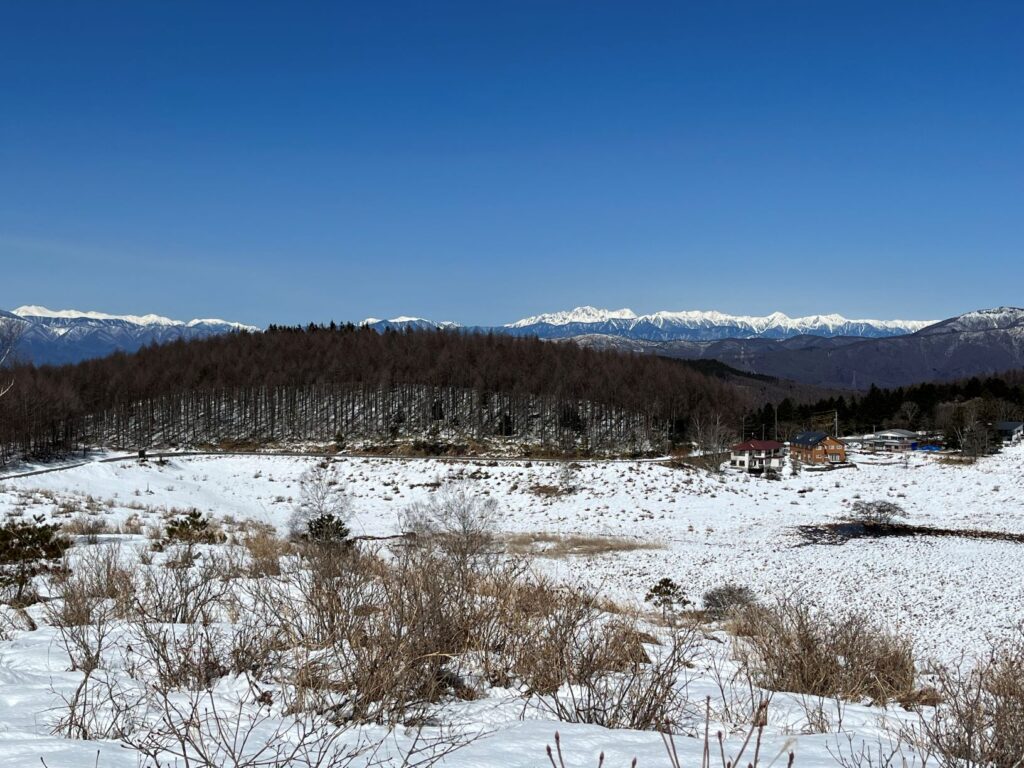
[893, 440]
[756, 456]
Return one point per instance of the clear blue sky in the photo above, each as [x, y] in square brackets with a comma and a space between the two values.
[480, 161]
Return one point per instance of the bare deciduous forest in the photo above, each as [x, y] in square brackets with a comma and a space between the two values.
[346, 384]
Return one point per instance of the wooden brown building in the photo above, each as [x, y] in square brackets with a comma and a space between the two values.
[817, 448]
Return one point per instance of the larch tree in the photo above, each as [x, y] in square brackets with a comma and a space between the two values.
[11, 331]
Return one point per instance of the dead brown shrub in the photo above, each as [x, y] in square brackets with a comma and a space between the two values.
[608, 675]
[88, 579]
[265, 549]
[87, 526]
[791, 647]
[979, 719]
[380, 637]
[191, 590]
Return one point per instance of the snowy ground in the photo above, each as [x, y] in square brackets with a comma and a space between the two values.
[948, 593]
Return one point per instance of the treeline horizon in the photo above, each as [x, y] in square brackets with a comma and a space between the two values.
[346, 382]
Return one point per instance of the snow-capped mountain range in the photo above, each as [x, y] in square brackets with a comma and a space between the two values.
[402, 323]
[978, 343]
[673, 326]
[53, 316]
[704, 325]
[578, 315]
[67, 336]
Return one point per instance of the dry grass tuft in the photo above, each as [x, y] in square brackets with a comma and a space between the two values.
[557, 545]
[265, 550]
[955, 460]
[88, 526]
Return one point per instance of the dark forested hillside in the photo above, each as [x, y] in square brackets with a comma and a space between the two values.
[947, 407]
[345, 383]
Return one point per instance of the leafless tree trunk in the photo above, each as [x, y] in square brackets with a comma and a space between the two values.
[710, 433]
[10, 334]
[963, 422]
[321, 496]
[909, 413]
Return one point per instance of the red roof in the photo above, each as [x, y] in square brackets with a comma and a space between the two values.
[757, 445]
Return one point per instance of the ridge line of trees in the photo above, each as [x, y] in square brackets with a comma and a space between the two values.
[341, 383]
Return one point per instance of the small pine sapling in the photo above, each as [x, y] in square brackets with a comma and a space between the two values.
[667, 596]
[322, 513]
[27, 549]
[193, 528]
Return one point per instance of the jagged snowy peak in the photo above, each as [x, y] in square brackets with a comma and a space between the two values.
[403, 322]
[33, 311]
[578, 315]
[703, 325]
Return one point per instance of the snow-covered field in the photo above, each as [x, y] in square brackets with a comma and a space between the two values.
[949, 594]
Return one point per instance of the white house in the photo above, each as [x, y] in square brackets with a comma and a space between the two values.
[756, 456]
[893, 440]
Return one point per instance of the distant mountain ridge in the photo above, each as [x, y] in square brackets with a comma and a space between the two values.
[982, 342]
[672, 326]
[69, 336]
[822, 350]
[703, 325]
[402, 323]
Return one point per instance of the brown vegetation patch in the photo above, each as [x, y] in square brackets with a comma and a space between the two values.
[709, 462]
[791, 647]
[547, 491]
[558, 545]
[86, 525]
[953, 460]
[978, 714]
